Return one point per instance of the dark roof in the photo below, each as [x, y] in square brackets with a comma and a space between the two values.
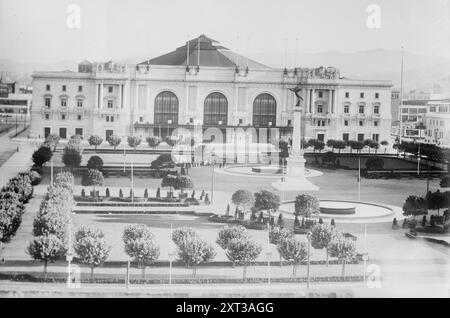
[211, 54]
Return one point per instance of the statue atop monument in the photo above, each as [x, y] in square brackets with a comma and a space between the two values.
[297, 91]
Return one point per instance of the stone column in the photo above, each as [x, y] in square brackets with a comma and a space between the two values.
[136, 96]
[313, 101]
[96, 96]
[306, 101]
[120, 106]
[101, 101]
[330, 101]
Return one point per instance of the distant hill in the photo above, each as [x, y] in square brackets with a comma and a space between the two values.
[420, 71]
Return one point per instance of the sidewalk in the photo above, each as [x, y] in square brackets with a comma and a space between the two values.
[18, 162]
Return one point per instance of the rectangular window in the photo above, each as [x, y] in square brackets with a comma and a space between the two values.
[361, 95]
[47, 87]
[64, 88]
[376, 137]
[112, 119]
[289, 122]
[345, 122]
[320, 109]
[63, 117]
[141, 119]
[361, 109]
[241, 121]
[48, 102]
[361, 123]
[110, 104]
[346, 137]
[79, 103]
[80, 88]
[360, 137]
[107, 119]
[63, 102]
[47, 116]
[79, 132]
[377, 95]
[346, 109]
[376, 110]
[110, 89]
[375, 123]
[79, 117]
[347, 94]
[320, 94]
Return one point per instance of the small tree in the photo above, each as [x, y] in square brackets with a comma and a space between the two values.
[196, 251]
[95, 162]
[331, 143]
[340, 145]
[183, 183]
[414, 206]
[95, 140]
[321, 237]
[277, 235]
[114, 141]
[71, 157]
[91, 247]
[45, 248]
[140, 245]
[41, 156]
[242, 252]
[153, 141]
[95, 179]
[243, 198]
[267, 200]
[169, 181]
[437, 201]
[306, 205]
[293, 251]
[344, 250]
[227, 234]
[134, 141]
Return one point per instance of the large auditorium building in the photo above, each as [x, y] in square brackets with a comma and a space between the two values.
[203, 85]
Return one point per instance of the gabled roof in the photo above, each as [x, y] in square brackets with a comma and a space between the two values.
[211, 54]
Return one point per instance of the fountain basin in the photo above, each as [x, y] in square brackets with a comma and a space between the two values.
[267, 169]
[337, 208]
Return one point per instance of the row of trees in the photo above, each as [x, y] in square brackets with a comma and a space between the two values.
[13, 196]
[132, 141]
[417, 205]
[358, 146]
[430, 151]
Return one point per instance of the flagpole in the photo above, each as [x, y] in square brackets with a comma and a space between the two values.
[401, 103]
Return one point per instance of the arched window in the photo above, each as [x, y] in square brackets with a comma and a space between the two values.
[216, 110]
[166, 108]
[264, 110]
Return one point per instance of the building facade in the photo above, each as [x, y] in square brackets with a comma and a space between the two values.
[438, 123]
[203, 84]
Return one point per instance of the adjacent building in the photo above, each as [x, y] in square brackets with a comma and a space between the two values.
[438, 123]
[15, 103]
[206, 86]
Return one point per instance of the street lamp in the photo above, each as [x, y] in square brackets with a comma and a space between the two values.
[308, 236]
[69, 255]
[268, 254]
[169, 122]
[171, 255]
[213, 162]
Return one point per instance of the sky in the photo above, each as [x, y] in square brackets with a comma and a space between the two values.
[37, 30]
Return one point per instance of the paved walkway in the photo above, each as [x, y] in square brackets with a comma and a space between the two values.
[18, 162]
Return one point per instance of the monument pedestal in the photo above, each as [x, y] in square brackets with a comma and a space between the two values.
[295, 179]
